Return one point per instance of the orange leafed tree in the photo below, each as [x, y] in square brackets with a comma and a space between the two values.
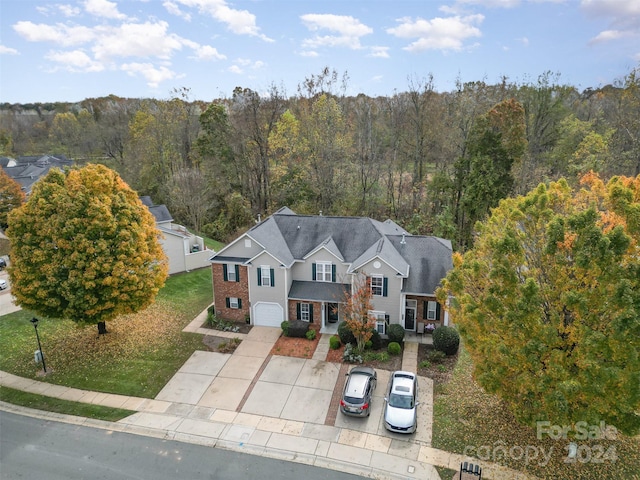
[356, 310]
[11, 196]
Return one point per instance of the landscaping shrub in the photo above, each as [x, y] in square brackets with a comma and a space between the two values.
[436, 356]
[334, 342]
[298, 328]
[222, 325]
[211, 310]
[368, 345]
[395, 333]
[229, 346]
[350, 354]
[311, 334]
[345, 334]
[376, 356]
[285, 328]
[394, 348]
[425, 364]
[376, 341]
[446, 339]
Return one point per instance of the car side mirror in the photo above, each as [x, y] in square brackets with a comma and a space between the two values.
[386, 399]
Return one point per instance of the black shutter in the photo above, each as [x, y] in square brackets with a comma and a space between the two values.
[425, 308]
[298, 311]
[313, 272]
[224, 272]
[385, 284]
[437, 311]
[333, 273]
[237, 273]
[259, 277]
[228, 302]
[239, 303]
[311, 313]
[273, 278]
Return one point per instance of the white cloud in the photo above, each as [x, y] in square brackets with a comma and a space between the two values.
[309, 53]
[152, 74]
[235, 69]
[174, 9]
[62, 34]
[75, 61]
[69, 10]
[8, 51]
[524, 41]
[136, 40]
[348, 31]
[379, 52]
[493, 3]
[624, 18]
[241, 22]
[206, 52]
[439, 33]
[103, 8]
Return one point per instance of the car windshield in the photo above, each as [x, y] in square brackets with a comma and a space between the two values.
[400, 401]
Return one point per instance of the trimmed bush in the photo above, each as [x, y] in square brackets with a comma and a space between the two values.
[395, 333]
[345, 334]
[298, 328]
[436, 356]
[376, 341]
[285, 328]
[394, 348]
[425, 364]
[446, 339]
[311, 334]
[334, 342]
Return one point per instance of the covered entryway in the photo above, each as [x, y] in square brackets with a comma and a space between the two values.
[266, 314]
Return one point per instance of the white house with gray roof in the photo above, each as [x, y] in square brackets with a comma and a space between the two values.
[300, 267]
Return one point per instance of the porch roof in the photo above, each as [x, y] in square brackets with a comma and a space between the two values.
[318, 291]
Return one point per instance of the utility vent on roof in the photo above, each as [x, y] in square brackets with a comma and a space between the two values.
[403, 241]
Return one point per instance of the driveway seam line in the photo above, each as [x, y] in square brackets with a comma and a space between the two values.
[256, 377]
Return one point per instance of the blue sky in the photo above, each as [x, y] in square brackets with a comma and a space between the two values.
[71, 50]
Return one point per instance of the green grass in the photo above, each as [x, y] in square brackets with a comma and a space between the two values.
[446, 473]
[137, 357]
[213, 244]
[39, 402]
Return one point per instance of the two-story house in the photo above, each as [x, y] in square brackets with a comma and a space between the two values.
[300, 267]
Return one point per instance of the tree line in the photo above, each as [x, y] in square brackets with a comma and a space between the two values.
[435, 162]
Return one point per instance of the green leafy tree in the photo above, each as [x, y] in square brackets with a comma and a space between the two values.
[84, 248]
[11, 196]
[548, 303]
[356, 308]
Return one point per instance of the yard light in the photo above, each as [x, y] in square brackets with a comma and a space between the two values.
[34, 320]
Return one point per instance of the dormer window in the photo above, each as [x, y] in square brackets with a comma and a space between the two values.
[323, 272]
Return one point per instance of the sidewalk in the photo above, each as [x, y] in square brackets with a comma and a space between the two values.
[278, 407]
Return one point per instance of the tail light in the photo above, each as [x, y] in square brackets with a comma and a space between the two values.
[365, 406]
[342, 403]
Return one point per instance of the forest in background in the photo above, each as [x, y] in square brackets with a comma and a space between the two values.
[434, 162]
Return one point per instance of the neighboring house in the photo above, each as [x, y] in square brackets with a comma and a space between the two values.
[291, 267]
[28, 170]
[184, 250]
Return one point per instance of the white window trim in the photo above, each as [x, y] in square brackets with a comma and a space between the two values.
[431, 310]
[233, 303]
[231, 273]
[324, 269]
[380, 321]
[381, 286]
[305, 312]
[265, 270]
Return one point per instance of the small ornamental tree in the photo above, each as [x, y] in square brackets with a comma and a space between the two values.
[84, 248]
[356, 310]
[548, 303]
[11, 196]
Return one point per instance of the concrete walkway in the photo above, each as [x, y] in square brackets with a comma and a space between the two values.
[280, 407]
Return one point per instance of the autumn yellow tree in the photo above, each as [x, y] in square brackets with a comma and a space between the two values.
[11, 196]
[548, 303]
[84, 248]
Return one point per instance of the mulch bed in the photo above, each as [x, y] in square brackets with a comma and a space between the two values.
[394, 363]
[440, 373]
[297, 347]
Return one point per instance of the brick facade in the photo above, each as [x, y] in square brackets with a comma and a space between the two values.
[224, 289]
[421, 315]
[317, 311]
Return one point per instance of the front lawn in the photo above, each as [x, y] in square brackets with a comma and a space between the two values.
[468, 420]
[137, 357]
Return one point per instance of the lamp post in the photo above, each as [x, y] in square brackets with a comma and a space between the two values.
[34, 320]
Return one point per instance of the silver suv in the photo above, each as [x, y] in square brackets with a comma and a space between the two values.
[400, 412]
[358, 390]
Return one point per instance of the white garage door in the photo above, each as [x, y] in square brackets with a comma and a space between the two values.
[267, 314]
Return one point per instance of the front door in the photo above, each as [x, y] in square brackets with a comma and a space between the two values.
[332, 313]
[410, 315]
